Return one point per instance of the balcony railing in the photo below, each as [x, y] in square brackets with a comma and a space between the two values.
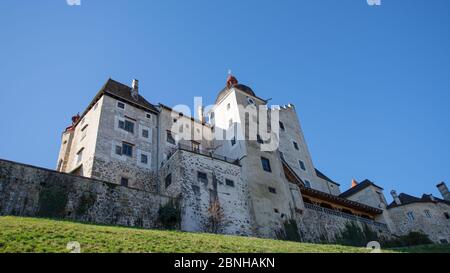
[208, 153]
[346, 215]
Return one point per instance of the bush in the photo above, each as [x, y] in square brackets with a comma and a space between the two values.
[289, 232]
[411, 239]
[169, 215]
[353, 235]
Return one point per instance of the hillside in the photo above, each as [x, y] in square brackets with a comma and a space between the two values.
[42, 235]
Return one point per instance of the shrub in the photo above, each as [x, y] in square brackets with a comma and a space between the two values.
[53, 201]
[169, 215]
[353, 235]
[413, 238]
[289, 232]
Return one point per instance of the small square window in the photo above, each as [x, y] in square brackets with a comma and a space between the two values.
[272, 190]
[120, 105]
[145, 133]
[168, 180]
[276, 211]
[127, 149]
[229, 182]
[124, 181]
[170, 138]
[266, 164]
[144, 159]
[202, 177]
[296, 146]
[302, 165]
[148, 116]
[118, 150]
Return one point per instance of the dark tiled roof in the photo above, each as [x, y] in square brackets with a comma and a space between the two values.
[407, 199]
[324, 177]
[366, 183]
[242, 87]
[121, 92]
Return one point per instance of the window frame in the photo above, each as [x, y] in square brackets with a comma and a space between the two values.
[266, 167]
[127, 147]
[229, 183]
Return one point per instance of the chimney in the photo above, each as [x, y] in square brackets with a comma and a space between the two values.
[135, 89]
[200, 113]
[395, 196]
[354, 183]
[444, 191]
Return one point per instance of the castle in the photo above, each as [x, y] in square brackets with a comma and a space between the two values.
[251, 160]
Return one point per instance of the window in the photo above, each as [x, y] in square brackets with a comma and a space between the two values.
[229, 182]
[124, 181]
[149, 116]
[120, 105]
[144, 159]
[84, 132]
[276, 210]
[259, 139]
[410, 215]
[118, 150]
[427, 213]
[168, 180]
[126, 125]
[296, 146]
[250, 101]
[272, 190]
[233, 141]
[127, 149]
[266, 164]
[307, 184]
[282, 126]
[302, 165]
[170, 138]
[446, 215]
[145, 133]
[195, 146]
[80, 156]
[202, 177]
[228, 106]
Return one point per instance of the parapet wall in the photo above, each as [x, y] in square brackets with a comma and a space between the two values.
[37, 192]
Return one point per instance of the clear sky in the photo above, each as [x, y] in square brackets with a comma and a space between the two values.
[371, 84]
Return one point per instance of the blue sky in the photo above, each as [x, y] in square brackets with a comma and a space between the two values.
[371, 84]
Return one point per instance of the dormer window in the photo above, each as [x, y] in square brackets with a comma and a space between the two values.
[250, 101]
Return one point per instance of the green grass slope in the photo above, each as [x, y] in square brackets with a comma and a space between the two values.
[30, 235]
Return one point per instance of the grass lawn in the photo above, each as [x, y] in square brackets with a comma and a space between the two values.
[18, 235]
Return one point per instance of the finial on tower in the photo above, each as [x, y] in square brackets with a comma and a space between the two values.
[231, 80]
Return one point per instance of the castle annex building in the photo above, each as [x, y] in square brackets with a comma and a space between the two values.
[146, 150]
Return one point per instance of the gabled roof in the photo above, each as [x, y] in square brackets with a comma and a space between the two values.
[407, 199]
[361, 186]
[121, 92]
[324, 177]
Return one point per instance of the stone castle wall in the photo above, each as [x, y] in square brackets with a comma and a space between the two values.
[317, 225]
[196, 195]
[36, 192]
